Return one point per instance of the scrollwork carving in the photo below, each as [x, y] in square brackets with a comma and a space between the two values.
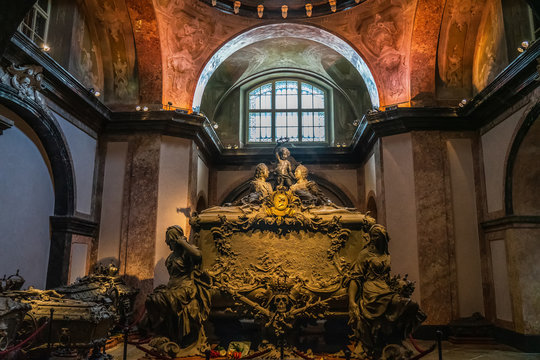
[26, 79]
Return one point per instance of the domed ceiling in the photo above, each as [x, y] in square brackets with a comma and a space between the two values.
[285, 55]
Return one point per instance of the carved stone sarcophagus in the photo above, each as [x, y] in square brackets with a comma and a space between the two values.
[282, 260]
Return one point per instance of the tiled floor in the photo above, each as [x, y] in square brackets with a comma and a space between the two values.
[450, 352]
[477, 352]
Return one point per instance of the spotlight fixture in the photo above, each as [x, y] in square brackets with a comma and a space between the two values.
[309, 10]
[46, 48]
[332, 5]
[229, 146]
[237, 7]
[356, 122]
[138, 108]
[462, 103]
[525, 44]
[215, 125]
[214, 2]
[94, 92]
[284, 10]
[145, 108]
[260, 10]
[235, 147]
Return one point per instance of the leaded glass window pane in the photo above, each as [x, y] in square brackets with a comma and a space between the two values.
[278, 110]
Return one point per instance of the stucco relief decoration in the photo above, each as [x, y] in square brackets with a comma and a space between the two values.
[189, 37]
[26, 79]
[86, 67]
[491, 48]
[454, 38]
[120, 67]
[381, 37]
[107, 14]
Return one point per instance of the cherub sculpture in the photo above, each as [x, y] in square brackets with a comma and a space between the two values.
[283, 169]
[380, 312]
[177, 310]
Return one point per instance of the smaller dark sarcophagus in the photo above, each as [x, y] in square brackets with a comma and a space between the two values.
[11, 317]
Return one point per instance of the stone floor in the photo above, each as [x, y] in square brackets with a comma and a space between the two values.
[450, 352]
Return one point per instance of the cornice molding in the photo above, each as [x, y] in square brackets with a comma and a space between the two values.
[515, 82]
[511, 221]
[172, 123]
[74, 225]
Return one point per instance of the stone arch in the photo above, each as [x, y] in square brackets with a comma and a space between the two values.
[54, 144]
[520, 178]
[303, 31]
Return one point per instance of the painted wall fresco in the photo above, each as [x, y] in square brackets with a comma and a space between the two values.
[191, 32]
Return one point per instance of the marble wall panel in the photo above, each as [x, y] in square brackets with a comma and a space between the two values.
[433, 242]
[523, 256]
[503, 304]
[400, 206]
[495, 147]
[82, 148]
[110, 228]
[173, 198]
[465, 227]
[137, 248]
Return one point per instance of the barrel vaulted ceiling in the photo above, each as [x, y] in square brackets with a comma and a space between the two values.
[419, 52]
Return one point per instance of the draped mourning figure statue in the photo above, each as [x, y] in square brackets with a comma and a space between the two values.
[380, 309]
[177, 310]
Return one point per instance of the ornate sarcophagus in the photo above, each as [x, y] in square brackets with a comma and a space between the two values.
[280, 255]
[105, 287]
[75, 324]
[11, 318]
[281, 259]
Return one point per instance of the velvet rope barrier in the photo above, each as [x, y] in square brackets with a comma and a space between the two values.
[22, 343]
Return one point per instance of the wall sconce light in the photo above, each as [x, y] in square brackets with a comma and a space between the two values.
[94, 92]
[284, 10]
[309, 10]
[332, 5]
[46, 48]
[260, 10]
[237, 6]
[524, 46]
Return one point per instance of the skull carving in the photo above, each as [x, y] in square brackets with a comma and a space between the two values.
[281, 302]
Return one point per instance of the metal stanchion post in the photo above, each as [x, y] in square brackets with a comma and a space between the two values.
[438, 333]
[49, 340]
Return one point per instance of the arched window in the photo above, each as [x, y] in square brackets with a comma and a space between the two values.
[35, 24]
[287, 108]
